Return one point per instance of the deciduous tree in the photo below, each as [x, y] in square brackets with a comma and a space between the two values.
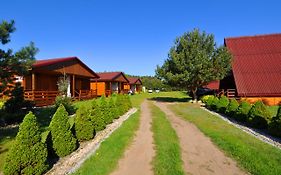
[194, 61]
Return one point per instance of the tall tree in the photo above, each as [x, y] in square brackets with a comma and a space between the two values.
[194, 61]
[17, 63]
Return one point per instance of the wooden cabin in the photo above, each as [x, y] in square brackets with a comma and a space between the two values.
[41, 85]
[109, 83]
[135, 84]
[256, 68]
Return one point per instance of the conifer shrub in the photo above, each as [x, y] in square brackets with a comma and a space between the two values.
[105, 110]
[242, 111]
[97, 117]
[128, 102]
[112, 109]
[259, 116]
[28, 154]
[275, 124]
[222, 104]
[84, 127]
[63, 140]
[120, 105]
[232, 107]
[66, 102]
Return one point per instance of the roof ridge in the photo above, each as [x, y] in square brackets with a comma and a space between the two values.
[253, 36]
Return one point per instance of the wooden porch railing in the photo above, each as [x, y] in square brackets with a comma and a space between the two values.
[230, 93]
[41, 98]
[108, 93]
[87, 94]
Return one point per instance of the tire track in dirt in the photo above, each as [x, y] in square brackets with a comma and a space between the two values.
[199, 154]
[138, 157]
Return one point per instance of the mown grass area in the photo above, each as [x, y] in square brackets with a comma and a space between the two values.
[168, 154]
[110, 151]
[252, 154]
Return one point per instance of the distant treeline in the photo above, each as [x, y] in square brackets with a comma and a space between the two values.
[151, 82]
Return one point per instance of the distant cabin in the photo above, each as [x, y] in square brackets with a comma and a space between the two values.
[135, 84]
[109, 83]
[41, 85]
[256, 68]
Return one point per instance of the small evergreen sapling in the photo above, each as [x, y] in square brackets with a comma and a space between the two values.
[63, 140]
[275, 125]
[84, 127]
[28, 155]
[104, 110]
[113, 109]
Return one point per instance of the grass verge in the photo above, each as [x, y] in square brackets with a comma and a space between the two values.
[106, 158]
[168, 156]
[252, 154]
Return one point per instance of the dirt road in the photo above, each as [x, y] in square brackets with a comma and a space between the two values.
[199, 154]
[138, 157]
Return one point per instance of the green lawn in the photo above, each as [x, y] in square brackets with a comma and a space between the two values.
[168, 154]
[252, 154]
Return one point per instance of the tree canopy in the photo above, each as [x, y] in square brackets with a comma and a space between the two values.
[11, 63]
[194, 61]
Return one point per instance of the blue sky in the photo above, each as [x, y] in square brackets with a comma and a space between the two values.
[130, 36]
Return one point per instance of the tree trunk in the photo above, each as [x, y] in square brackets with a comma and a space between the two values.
[194, 95]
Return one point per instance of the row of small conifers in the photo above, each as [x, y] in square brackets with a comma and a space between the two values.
[256, 115]
[32, 150]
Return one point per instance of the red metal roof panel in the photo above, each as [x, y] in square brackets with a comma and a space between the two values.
[256, 64]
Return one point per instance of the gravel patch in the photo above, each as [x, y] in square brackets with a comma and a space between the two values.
[72, 162]
[259, 134]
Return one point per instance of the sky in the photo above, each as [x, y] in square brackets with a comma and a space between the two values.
[133, 36]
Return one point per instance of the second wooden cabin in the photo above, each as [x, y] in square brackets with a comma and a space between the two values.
[109, 83]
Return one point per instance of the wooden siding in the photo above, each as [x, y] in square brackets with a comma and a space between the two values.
[70, 67]
[270, 101]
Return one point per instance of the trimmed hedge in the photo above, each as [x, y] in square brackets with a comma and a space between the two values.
[214, 103]
[84, 127]
[275, 124]
[259, 116]
[112, 109]
[105, 110]
[28, 155]
[63, 140]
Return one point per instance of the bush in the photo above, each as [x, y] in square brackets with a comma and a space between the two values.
[96, 117]
[28, 155]
[259, 115]
[209, 101]
[63, 140]
[66, 102]
[275, 124]
[222, 104]
[105, 110]
[84, 128]
[214, 103]
[205, 98]
[242, 111]
[123, 104]
[232, 107]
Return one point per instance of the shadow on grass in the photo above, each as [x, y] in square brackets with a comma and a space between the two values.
[171, 99]
[8, 133]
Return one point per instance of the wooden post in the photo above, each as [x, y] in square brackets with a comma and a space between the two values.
[96, 87]
[73, 85]
[110, 88]
[33, 81]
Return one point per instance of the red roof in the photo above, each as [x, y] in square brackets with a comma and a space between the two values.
[134, 80]
[53, 61]
[256, 64]
[112, 76]
[215, 85]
